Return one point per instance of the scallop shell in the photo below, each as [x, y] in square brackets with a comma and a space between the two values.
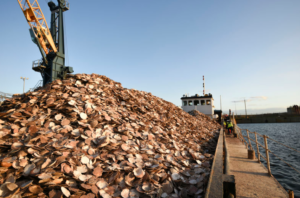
[139, 172]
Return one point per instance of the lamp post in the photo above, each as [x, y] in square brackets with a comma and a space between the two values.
[23, 78]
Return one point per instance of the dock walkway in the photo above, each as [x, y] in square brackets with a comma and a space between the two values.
[252, 178]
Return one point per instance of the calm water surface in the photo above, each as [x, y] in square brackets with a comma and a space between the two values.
[288, 134]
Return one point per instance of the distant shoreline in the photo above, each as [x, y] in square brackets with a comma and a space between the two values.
[268, 118]
[266, 122]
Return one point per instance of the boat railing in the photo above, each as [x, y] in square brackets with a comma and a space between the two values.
[239, 133]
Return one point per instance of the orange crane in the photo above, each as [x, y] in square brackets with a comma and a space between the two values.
[49, 41]
[38, 24]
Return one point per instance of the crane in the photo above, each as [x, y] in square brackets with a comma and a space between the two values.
[50, 41]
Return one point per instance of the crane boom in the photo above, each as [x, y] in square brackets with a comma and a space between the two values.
[38, 24]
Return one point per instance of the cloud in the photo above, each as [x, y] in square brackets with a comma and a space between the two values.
[251, 111]
[259, 97]
[253, 98]
[241, 100]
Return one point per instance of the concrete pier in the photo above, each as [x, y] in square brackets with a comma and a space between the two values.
[252, 178]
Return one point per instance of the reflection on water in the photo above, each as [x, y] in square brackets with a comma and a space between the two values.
[288, 134]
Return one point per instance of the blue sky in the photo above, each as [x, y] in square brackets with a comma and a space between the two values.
[246, 49]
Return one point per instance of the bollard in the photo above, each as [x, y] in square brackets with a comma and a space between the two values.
[234, 129]
[251, 154]
[235, 133]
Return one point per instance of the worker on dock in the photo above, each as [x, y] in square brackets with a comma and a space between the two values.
[224, 124]
[229, 126]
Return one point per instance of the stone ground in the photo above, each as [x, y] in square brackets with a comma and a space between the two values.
[252, 178]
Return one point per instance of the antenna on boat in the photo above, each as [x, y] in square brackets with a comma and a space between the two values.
[203, 86]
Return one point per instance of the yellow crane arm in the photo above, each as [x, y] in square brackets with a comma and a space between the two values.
[38, 24]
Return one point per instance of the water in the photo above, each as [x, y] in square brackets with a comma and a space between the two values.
[288, 134]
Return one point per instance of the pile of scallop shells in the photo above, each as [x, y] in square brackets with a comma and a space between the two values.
[87, 136]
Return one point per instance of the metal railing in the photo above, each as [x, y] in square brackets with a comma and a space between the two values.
[38, 84]
[37, 63]
[67, 4]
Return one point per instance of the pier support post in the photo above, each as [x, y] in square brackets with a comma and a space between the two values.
[251, 154]
[291, 194]
[267, 154]
[257, 147]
